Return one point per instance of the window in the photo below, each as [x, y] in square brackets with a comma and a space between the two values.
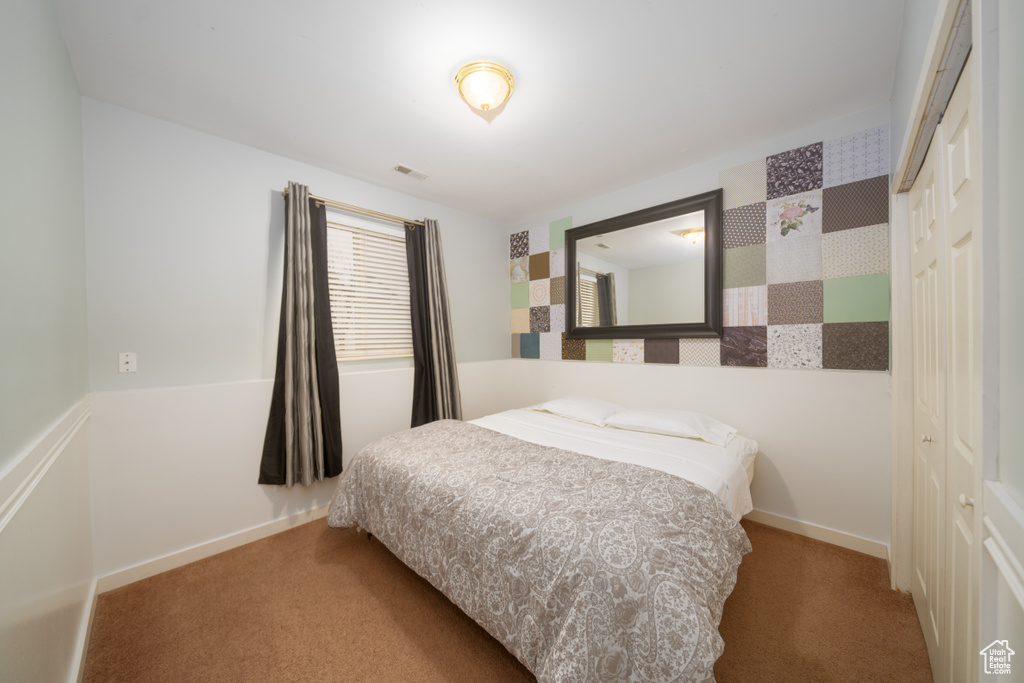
[369, 285]
[588, 298]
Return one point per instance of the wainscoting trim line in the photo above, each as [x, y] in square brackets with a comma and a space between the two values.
[820, 533]
[62, 434]
[178, 559]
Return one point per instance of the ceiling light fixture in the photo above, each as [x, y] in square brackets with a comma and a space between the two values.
[694, 235]
[484, 85]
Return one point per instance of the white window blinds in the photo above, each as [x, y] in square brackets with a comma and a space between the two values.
[588, 300]
[369, 284]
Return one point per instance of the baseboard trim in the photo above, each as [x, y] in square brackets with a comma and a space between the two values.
[178, 559]
[820, 533]
[77, 672]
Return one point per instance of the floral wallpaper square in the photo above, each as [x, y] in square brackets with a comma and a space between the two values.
[797, 170]
[519, 245]
[628, 351]
[557, 263]
[519, 269]
[796, 215]
[805, 241]
[794, 346]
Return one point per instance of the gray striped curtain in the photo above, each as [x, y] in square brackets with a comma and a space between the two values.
[303, 438]
[606, 311]
[436, 378]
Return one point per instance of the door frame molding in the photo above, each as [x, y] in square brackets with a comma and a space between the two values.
[948, 16]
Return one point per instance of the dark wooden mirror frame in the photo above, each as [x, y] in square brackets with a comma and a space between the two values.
[711, 204]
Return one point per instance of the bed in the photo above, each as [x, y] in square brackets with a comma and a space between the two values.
[591, 552]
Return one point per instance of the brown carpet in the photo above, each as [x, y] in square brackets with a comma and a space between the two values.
[320, 604]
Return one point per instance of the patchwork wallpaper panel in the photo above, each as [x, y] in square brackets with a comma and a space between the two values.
[806, 269]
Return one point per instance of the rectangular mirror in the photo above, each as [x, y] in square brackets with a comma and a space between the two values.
[656, 272]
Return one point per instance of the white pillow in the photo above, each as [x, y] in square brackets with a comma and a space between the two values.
[591, 410]
[673, 423]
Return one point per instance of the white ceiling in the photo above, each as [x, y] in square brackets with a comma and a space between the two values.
[608, 93]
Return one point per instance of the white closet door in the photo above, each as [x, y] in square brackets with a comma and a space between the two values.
[929, 310]
[945, 263]
[963, 476]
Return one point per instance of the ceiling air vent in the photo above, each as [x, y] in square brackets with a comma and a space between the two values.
[411, 172]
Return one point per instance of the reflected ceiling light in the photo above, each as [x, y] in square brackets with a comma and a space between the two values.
[693, 235]
[484, 85]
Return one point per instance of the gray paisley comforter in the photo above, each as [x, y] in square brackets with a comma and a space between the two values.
[585, 569]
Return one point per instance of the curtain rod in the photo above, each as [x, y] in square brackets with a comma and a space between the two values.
[358, 210]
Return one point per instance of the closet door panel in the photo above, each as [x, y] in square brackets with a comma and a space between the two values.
[929, 305]
[964, 381]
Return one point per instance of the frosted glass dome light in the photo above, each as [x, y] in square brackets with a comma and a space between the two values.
[484, 85]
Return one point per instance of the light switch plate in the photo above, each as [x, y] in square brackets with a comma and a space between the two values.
[126, 362]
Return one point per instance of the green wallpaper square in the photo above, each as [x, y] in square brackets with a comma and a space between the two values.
[558, 229]
[521, 295]
[745, 266]
[860, 299]
[599, 349]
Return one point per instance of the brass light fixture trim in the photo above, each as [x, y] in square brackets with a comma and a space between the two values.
[484, 85]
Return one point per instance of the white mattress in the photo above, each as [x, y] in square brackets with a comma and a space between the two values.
[726, 472]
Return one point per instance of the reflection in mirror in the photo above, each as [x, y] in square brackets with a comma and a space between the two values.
[651, 273]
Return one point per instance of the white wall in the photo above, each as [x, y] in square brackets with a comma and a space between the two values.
[824, 436]
[45, 534]
[174, 468]
[42, 240]
[919, 17]
[185, 238]
[673, 292]
[184, 242]
[46, 567]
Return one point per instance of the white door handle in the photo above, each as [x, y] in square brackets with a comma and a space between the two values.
[965, 501]
[925, 438]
